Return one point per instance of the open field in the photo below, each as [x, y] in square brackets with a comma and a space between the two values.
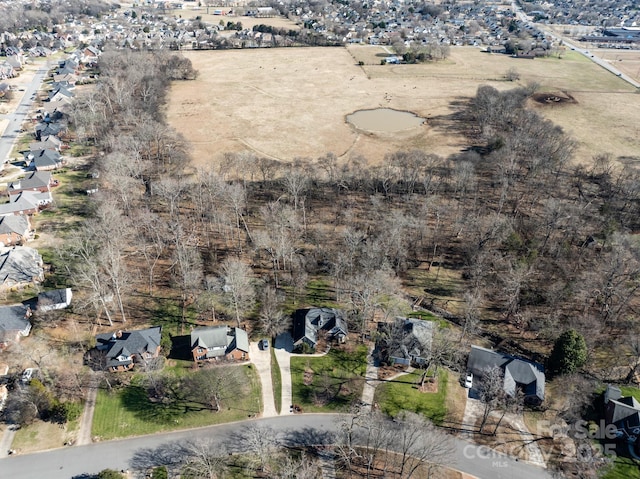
[289, 103]
[247, 22]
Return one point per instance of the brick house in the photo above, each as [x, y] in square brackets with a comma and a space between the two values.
[123, 349]
[219, 342]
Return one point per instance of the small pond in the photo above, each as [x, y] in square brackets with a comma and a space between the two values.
[384, 120]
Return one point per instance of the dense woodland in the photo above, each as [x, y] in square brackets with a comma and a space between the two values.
[541, 244]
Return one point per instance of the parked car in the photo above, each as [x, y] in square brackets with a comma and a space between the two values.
[468, 381]
[264, 344]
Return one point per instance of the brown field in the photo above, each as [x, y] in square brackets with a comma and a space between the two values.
[289, 103]
[247, 22]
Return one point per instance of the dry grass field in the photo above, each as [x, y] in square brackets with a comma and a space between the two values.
[288, 103]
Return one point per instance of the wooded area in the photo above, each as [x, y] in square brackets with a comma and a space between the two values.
[541, 245]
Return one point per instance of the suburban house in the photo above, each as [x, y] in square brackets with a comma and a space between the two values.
[519, 374]
[219, 342]
[43, 160]
[25, 203]
[623, 413]
[37, 181]
[54, 299]
[19, 266]
[123, 349]
[14, 324]
[307, 323]
[405, 342]
[14, 229]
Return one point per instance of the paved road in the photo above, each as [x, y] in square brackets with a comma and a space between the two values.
[584, 51]
[17, 117]
[68, 462]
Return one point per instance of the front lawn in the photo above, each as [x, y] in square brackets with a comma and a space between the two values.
[402, 394]
[129, 412]
[331, 382]
[276, 380]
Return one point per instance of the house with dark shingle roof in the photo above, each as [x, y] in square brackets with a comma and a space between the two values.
[54, 299]
[519, 374]
[123, 349]
[307, 323]
[14, 323]
[14, 230]
[19, 266]
[405, 341]
[623, 413]
[219, 342]
[36, 181]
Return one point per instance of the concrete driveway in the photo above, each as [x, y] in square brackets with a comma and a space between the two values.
[282, 348]
[262, 361]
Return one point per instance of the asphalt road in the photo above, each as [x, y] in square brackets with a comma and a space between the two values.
[584, 51]
[69, 462]
[17, 117]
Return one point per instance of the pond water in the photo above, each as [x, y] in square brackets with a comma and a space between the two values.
[384, 120]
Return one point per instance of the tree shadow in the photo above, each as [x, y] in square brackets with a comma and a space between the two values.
[170, 454]
[308, 436]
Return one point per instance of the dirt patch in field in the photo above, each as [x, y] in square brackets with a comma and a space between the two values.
[553, 98]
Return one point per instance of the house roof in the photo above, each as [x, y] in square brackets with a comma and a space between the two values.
[36, 179]
[307, 322]
[417, 336]
[18, 224]
[624, 414]
[14, 318]
[127, 343]
[517, 372]
[48, 299]
[220, 340]
[214, 337]
[20, 264]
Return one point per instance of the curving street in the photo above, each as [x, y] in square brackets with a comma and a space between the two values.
[306, 429]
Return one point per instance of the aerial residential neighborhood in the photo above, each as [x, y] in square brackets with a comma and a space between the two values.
[210, 266]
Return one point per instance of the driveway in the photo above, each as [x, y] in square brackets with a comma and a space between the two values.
[282, 348]
[473, 412]
[262, 361]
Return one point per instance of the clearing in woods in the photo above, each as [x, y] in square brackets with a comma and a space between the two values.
[287, 103]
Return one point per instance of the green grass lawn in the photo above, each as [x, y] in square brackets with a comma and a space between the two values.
[128, 412]
[328, 383]
[623, 468]
[276, 379]
[402, 394]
